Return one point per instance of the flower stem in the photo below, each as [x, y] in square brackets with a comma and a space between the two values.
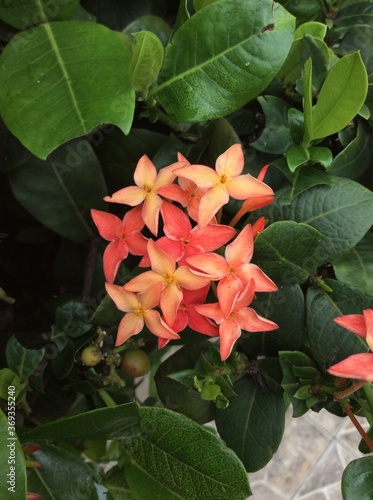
[350, 390]
[108, 400]
[361, 431]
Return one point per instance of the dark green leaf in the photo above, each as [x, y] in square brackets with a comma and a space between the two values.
[9, 378]
[354, 159]
[341, 96]
[357, 479]
[341, 212]
[21, 360]
[275, 137]
[12, 459]
[356, 267]
[60, 66]
[303, 10]
[118, 422]
[117, 486]
[329, 342]
[62, 475]
[282, 251]
[296, 156]
[66, 349]
[152, 23]
[253, 424]
[307, 103]
[175, 458]
[61, 191]
[73, 319]
[25, 13]
[286, 308]
[230, 51]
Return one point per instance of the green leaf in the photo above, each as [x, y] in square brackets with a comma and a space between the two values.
[307, 103]
[117, 422]
[175, 458]
[60, 66]
[223, 57]
[282, 251]
[356, 267]
[329, 342]
[253, 424]
[357, 479]
[21, 360]
[321, 155]
[62, 475]
[73, 319]
[286, 308]
[355, 158]
[25, 13]
[341, 212]
[341, 96]
[275, 137]
[296, 156]
[9, 378]
[147, 60]
[12, 459]
[117, 486]
[61, 191]
[152, 23]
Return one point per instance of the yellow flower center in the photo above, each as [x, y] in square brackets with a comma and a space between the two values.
[147, 189]
[139, 311]
[223, 179]
[169, 279]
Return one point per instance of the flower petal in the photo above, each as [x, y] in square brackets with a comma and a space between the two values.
[145, 172]
[132, 220]
[200, 323]
[175, 193]
[212, 311]
[186, 279]
[355, 323]
[359, 366]
[240, 251]
[231, 162]
[368, 317]
[124, 300]
[166, 175]
[131, 324]
[157, 326]
[202, 176]
[229, 332]
[212, 236]
[131, 195]
[143, 281]
[250, 321]
[150, 211]
[150, 298]
[170, 300]
[108, 225]
[228, 289]
[210, 264]
[247, 186]
[114, 254]
[161, 262]
[137, 243]
[262, 282]
[211, 202]
[176, 224]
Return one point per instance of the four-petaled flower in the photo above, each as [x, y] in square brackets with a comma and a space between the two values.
[241, 317]
[124, 236]
[356, 366]
[147, 181]
[225, 181]
[234, 271]
[139, 309]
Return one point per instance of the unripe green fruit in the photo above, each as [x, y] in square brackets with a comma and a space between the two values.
[91, 356]
[135, 363]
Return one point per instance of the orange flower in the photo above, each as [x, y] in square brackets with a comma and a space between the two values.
[225, 181]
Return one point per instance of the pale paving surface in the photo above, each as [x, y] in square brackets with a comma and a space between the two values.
[310, 460]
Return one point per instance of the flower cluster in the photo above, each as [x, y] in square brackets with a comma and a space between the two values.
[184, 266]
[357, 366]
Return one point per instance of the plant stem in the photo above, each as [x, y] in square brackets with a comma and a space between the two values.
[166, 120]
[350, 390]
[108, 400]
[368, 392]
[363, 434]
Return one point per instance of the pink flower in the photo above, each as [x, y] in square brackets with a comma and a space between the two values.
[147, 181]
[359, 366]
[223, 182]
[234, 271]
[173, 280]
[241, 317]
[124, 237]
[139, 309]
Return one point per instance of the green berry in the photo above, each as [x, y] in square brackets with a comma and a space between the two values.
[135, 363]
[91, 355]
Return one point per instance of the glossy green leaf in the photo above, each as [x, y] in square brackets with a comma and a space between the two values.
[9, 378]
[357, 479]
[329, 342]
[147, 60]
[296, 156]
[282, 251]
[223, 57]
[307, 102]
[61, 191]
[355, 158]
[319, 53]
[176, 458]
[58, 82]
[115, 422]
[286, 308]
[253, 424]
[303, 10]
[12, 459]
[356, 267]
[25, 13]
[341, 96]
[342, 212]
[62, 475]
[117, 486]
[21, 360]
[275, 137]
[73, 319]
